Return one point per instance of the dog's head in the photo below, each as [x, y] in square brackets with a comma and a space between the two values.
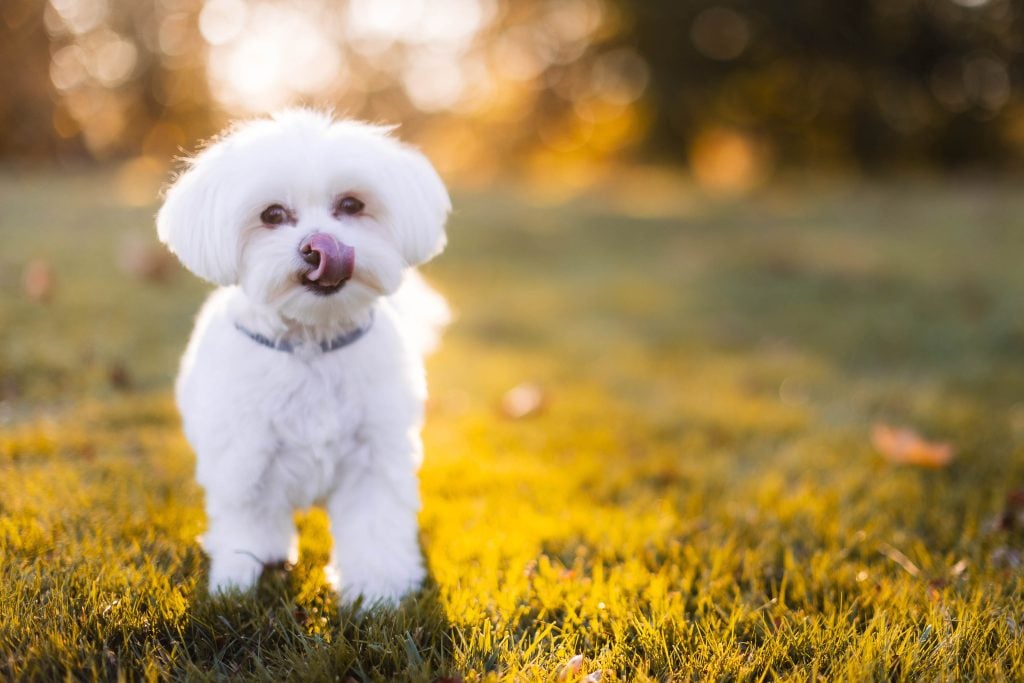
[311, 216]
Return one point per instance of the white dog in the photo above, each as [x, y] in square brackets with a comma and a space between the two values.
[303, 382]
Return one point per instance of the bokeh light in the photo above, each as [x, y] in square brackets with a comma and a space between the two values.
[453, 72]
[729, 161]
[720, 33]
[565, 87]
[266, 56]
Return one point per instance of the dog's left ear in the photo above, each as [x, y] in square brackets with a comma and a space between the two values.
[195, 223]
[424, 206]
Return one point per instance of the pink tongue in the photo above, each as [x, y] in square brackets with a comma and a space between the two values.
[337, 260]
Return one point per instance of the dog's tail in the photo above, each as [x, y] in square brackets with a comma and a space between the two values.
[423, 310]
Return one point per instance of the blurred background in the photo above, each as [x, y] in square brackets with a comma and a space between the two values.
[559, 91]
[739, 342]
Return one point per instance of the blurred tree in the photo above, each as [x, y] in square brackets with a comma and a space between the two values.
[26, 98]
[130, 76]
[874, 82]
[732, 87]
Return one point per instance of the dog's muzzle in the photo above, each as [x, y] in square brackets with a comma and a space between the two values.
[331, 261]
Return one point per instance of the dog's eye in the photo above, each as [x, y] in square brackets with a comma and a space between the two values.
[275, 215]
[349, 206]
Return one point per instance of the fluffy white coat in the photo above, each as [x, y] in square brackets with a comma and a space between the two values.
[277, 430]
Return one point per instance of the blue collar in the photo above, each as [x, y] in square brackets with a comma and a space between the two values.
[338, 342]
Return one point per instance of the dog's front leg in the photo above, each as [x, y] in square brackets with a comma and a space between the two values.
[376, 533]
[244, 535]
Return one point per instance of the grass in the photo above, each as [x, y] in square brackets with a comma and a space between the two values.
[698, 499]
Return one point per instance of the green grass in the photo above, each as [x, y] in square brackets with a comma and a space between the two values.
[699, 498]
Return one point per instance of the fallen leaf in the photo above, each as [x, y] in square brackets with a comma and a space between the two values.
[523, 400]
[119, 376]
[38, 280]
[959, 568]
[571, 668]
[145, 259]
[86, 451]
[1012, 518]
[904, 446]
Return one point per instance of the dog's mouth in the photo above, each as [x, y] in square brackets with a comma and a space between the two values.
[321, 290]
[332, 263]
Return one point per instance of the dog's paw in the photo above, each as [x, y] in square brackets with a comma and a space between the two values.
[233, 572]
[385, 590]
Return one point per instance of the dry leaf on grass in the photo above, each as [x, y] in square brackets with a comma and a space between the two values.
[119, 376]
[523, 400]
[904, 446]
[144, 259]
[571, 668]
[38, 280]
[1012, 517]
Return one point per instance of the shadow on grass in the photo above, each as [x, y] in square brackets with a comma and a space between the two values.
[292, 627]
[289, 627]
[280, 634]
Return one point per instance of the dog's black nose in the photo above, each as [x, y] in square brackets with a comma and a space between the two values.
[310, 255]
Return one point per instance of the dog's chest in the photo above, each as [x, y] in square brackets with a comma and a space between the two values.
[318, 431]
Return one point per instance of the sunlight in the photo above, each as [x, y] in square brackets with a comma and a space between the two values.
[104, 56]
[115, 60]
[274, 53]
[453, 22]
[384, 20]
[222, 20]
[729, 161]
[433, 80]
[409, 61]
[267, 55]
[448, 22]
[78, 16]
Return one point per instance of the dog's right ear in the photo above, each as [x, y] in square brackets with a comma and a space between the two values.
[195, 222]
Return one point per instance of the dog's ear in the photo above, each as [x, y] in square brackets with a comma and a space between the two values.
[424, 206]
[194, 222]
